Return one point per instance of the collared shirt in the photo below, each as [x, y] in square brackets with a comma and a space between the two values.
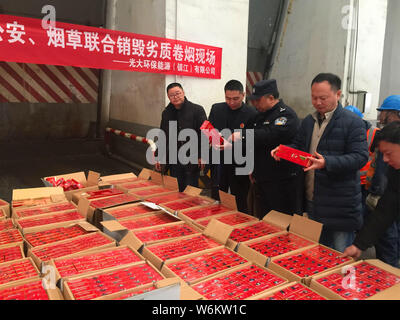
[321, 121]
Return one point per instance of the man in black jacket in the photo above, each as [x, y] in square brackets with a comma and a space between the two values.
[230, 115]
[387, 211]
[181, 114]
[337, 139]
[276, 183]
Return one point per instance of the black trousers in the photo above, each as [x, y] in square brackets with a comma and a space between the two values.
[285, 196]
[224, 178]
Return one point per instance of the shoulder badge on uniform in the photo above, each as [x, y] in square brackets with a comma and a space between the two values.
[280, 121]
[282, 109]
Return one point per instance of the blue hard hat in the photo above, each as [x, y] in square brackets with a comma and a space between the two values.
[355, 110]
[390, 103]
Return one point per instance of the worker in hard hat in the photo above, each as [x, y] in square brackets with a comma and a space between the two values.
[389, 110]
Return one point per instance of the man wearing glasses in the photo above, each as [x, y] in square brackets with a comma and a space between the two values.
[181, 114]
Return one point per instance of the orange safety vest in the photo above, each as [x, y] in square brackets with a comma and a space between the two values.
[368, 171]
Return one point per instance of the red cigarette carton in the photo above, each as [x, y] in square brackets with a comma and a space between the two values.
[213, 135]
[294, 155]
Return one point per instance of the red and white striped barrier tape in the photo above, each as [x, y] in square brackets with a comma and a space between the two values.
[133, 137]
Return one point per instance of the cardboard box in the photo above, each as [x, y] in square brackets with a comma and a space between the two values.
[136, 238]
[127, 211]
[28, 232]
[6, 224]
[350, 284]
[24, 212]
[79, 257]
[290, 291]
[305, 230]
[307, 263]
[12, 251]
[11, 236]
[233, 218]
[153, 274]
[96, 192]
[36, 196]
[215, 235]
[239, 283]
[204, 264]
[94, 209]
[5, 208]
[187, 193]
[51, 220]
[119, 178]
[91, 180]
[6, 291]
[106, 242]
[272, 222]
[227, 204]
[20, 270]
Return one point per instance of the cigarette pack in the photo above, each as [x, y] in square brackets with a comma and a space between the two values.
[213, 135]
[294, 155]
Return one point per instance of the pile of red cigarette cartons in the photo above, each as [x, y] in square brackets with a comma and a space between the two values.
[239, 284]
[28, 212]
[10, 236]
[95, 261]
[12, 252]
[67, 185]
[49, 218]
[206, 211]
[126, 211]
[147, 221]
[232, 219]
[362, 280]
[107, 283]
[293, 291]
[29, 290]
[200, 266]
[186, 203]
[53, 235]
[17, 270]
[103, 193]
[164, 232]
[168, 198]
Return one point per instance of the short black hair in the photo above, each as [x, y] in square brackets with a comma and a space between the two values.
[234, 85]
[333, 80]
[173, 85]
[389, 133]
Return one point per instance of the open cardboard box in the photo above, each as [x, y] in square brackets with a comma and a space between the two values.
[271, 292]
[273, 218]
[5, 208]
[36, 196]
[174, 196]
[237, 268]
[131, 210]
[293, 276]
[39, 262]
[83, 224]
[53, 293]
[23, 260]
[25, 212]
[117, 231]
[392, 293]
[171, 186]
[95, 214]
[9, 246]
[13, 235]
[67, 292]
[6, 224]
[120, 178]
[226, 204]
[51, 264]
[165, 269]
[91, 180]
[300, 226]
[85, 193]
[40, 220]
[233, 218]
[217, 231]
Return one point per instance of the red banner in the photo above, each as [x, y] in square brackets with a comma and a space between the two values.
[24, 40]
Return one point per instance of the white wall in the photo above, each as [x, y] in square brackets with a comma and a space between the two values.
[313, 40]
[219, 23]
[390, 83]
[369, 57]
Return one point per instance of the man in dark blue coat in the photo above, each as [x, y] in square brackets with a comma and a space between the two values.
[337, 140]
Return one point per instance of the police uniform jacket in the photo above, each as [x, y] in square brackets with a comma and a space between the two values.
[273, 127]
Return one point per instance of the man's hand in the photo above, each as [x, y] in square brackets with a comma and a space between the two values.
[352, 252]
[226, 145]
[317, 162]
[273, 154]
[371, 201]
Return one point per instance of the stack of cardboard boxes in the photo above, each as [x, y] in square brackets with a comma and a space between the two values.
[137, 237]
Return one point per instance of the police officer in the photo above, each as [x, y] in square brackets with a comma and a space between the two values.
[276, 183]
[231, 114]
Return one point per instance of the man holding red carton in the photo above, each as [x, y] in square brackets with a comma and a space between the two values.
[337, 139]
[275, 123]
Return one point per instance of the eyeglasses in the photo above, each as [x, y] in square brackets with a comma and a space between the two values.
[178, 94]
